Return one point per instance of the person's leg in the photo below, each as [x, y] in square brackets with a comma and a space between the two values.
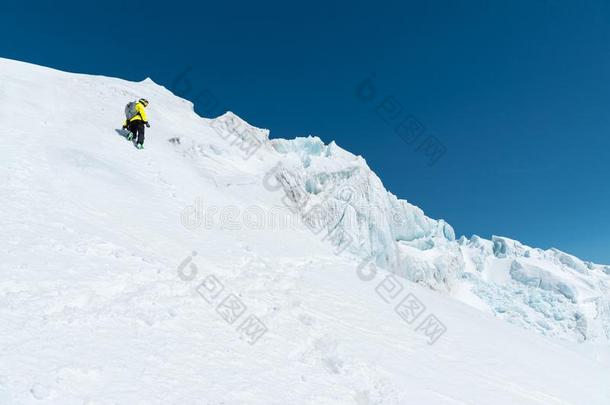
[141, 132]
[131, 127]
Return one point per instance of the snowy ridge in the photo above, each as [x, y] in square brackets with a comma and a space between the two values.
[105, 249]
[550, 291]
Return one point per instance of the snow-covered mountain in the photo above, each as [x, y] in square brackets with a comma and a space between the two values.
[219, 266]
[549, 291]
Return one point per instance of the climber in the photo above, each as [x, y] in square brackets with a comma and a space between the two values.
[135, 120]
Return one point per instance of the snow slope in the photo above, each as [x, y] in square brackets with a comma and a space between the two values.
[106, 249]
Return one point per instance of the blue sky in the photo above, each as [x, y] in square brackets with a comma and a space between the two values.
[518, 93]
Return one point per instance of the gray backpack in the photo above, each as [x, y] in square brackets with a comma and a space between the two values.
[130, 110]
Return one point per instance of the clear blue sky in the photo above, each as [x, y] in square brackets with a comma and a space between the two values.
[517, 91]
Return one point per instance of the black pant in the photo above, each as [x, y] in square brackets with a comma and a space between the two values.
[137, 129]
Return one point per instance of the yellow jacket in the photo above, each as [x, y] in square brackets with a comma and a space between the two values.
[140, 116]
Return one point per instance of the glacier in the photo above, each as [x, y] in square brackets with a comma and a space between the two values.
[549, 291]
[109, 267]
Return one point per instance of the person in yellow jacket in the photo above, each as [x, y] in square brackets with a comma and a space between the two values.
[135, 124]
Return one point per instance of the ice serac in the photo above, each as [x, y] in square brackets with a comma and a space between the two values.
[551, 292]
[353, 199]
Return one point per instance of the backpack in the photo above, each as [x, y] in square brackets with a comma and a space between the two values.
[130, 110]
